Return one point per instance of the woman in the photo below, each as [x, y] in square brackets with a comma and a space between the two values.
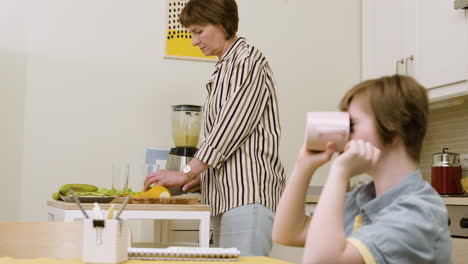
[237, 164]
[398, 217]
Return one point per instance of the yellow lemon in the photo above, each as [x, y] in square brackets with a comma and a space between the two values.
[464, 183]
[157, 191]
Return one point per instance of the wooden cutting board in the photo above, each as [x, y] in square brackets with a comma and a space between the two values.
[172, 200]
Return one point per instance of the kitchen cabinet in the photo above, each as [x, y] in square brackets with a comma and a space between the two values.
[426, 39]
[459, 252]
[310, 207]
[184, 233]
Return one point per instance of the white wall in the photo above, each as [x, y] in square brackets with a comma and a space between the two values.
[314, 48]
[84, 83]
[13, 63]
[98, 91]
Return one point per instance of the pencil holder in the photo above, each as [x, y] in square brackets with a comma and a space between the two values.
[105, 241]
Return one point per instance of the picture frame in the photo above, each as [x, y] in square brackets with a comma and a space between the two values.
[178, 40]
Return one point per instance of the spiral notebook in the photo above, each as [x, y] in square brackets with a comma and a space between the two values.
[185, 253]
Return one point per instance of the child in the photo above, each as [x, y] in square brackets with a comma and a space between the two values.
[398, 217]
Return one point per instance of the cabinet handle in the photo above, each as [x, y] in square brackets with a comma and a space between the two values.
[409, 68]
[398, 62]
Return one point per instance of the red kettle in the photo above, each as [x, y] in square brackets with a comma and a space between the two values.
[446, 173]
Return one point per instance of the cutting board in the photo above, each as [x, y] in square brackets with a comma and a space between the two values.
[173, 200]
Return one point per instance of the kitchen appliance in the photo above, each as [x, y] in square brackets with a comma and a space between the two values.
[324, 127]
[458, 219]
[186, 124]
[446, 173]
[457, 208]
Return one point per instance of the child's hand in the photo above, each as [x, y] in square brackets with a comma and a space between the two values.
[358, 157]
[309, 160]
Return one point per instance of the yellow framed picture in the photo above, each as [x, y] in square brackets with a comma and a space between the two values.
[178, 39]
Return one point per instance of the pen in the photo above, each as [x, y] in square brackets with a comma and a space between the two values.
[122, 207]
[110, 212]
[78, 203]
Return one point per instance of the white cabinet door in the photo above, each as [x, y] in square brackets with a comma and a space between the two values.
[386, 36]
[426, 39]
[459, 252]
[310, 207]
[441, 56]
[183, 233]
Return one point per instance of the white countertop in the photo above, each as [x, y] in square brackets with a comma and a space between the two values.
[312, 198]
[455, 200]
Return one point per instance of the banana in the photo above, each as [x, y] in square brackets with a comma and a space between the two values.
[78, 188]
[56, 196]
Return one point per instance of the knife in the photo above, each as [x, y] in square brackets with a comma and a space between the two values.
[78, 203]
[122, 207]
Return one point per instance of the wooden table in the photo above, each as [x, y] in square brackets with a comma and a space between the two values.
[243, 260]
[68, 212]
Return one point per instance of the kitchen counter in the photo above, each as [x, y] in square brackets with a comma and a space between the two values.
[312, 198]
[455, 200]
[132, 207]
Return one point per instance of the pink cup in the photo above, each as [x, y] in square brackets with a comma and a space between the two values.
[323, 127]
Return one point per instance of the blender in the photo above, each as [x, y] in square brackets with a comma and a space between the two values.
[186, 124]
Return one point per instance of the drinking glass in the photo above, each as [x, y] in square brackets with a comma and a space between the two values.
[120, 172]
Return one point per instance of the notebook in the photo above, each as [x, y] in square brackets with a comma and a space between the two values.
[184, 253]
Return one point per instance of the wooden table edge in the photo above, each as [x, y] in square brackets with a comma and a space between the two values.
[132, 207]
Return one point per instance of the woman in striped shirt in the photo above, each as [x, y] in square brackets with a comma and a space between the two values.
[237, 165]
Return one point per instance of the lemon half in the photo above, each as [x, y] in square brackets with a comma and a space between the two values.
[157, 191]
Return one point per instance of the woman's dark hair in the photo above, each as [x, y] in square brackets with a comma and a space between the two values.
[216, 12]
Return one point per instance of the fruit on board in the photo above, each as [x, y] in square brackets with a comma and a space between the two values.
[56, 196]
[78, 188]
[464, 183]
[157, 191]
[89, 190]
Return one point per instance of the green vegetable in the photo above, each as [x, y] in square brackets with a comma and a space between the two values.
[90, 190]
[106, 192]
[115, 192]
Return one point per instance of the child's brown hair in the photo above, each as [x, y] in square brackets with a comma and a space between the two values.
[400, 107]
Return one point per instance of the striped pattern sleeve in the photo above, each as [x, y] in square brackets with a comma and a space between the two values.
[241, 112]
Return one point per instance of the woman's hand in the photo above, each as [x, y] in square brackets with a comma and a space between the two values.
[192, 186]
[309, 160]
[359, 157]
[166, 178]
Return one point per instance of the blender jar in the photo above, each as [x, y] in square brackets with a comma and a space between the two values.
[186, 123]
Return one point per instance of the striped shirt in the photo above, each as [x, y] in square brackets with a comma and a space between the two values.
[242, 131]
